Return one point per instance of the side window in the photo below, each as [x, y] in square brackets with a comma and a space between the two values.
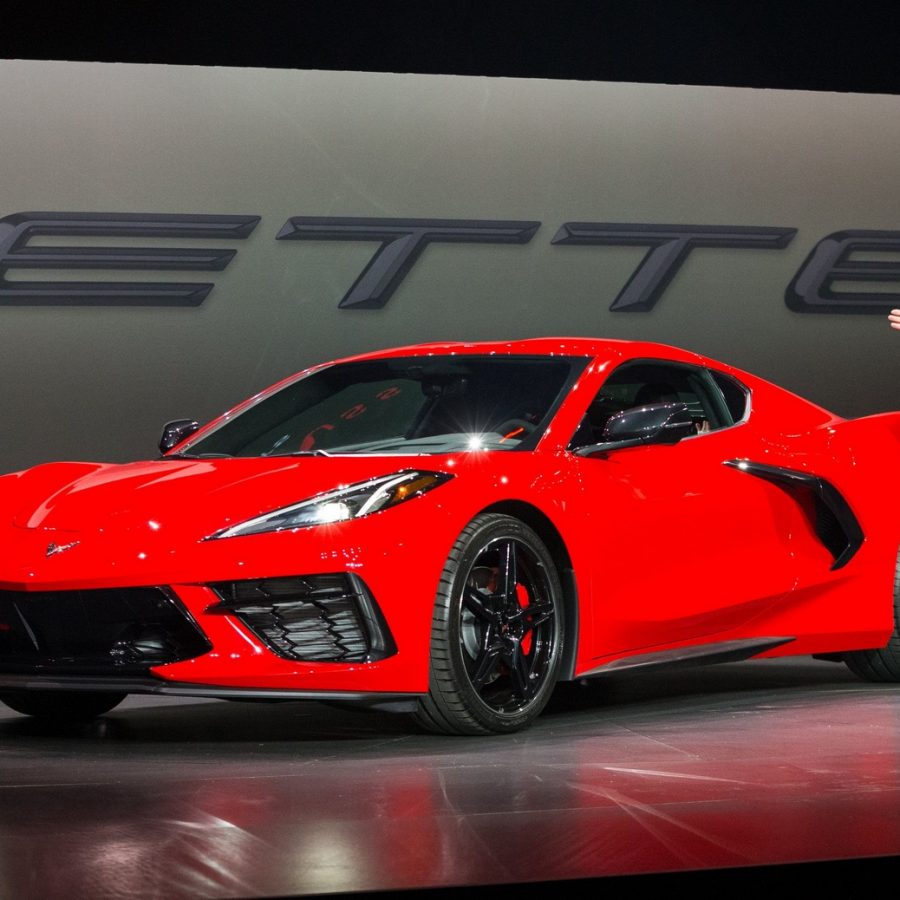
[735, 395]
[642, 382]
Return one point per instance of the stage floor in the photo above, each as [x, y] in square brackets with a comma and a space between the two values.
[716, 768]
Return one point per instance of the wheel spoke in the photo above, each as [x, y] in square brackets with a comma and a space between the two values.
[474, 602]
[508, 566]
[536, 615]
[486, 662]
[518, 672]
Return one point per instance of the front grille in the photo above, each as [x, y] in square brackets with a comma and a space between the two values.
[123, 631]
[314, 618]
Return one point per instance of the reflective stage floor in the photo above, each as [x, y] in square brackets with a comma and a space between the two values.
[665, 777]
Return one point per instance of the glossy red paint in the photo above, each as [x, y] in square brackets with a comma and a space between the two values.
[668, 546]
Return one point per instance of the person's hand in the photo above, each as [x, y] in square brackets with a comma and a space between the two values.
[894, 318]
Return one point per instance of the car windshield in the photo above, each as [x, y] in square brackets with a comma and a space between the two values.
[420, 404]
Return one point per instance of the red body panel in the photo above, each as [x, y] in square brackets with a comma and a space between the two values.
[669, 547]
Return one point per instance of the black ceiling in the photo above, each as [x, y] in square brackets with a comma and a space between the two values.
[758, 43]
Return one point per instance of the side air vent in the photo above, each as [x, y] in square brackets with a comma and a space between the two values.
[830, 515]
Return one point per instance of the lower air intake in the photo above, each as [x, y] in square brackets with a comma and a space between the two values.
[121, 631]
[314, 618]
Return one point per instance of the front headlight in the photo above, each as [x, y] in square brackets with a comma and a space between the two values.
[351, 502]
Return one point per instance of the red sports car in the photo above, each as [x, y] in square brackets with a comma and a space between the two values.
[452, 529]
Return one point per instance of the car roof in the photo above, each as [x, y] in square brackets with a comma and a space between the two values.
[545, 346]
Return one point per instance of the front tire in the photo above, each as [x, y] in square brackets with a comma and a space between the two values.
[880, 665]
[497, 631]
[62, 706]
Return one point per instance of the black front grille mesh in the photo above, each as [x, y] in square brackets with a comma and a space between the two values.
[315, 618]
[116, 630]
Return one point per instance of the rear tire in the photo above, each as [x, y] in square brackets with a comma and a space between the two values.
[497, 631]
[880, 665]
[62, 706]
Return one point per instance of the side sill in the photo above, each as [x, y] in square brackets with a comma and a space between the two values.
[708, 654]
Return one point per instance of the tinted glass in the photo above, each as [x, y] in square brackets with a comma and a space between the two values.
[407, 405]
[735, 394]
[636, 384]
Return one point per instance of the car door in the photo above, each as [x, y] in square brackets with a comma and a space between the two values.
[687, 547]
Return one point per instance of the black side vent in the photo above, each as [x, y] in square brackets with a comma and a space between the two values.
[832, 519]
[829, 529]
[314, 618]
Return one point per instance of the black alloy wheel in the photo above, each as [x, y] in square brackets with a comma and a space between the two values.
[497, 632]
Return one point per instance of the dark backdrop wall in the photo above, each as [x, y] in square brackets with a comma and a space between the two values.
[120, 152]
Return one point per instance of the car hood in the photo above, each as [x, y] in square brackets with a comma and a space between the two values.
[192, 497]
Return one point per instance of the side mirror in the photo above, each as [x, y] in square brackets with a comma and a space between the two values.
[656, 423]
[175, 432]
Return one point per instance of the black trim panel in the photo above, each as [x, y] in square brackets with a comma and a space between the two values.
[181, 689]
[707, 654]
[570, 647]
[835, 524]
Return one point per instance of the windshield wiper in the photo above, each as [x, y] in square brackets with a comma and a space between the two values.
[197, 456]
[302, 453]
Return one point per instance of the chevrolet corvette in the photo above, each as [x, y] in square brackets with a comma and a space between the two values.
[450, 530]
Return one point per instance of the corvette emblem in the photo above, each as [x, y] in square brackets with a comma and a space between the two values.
[53, 549]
